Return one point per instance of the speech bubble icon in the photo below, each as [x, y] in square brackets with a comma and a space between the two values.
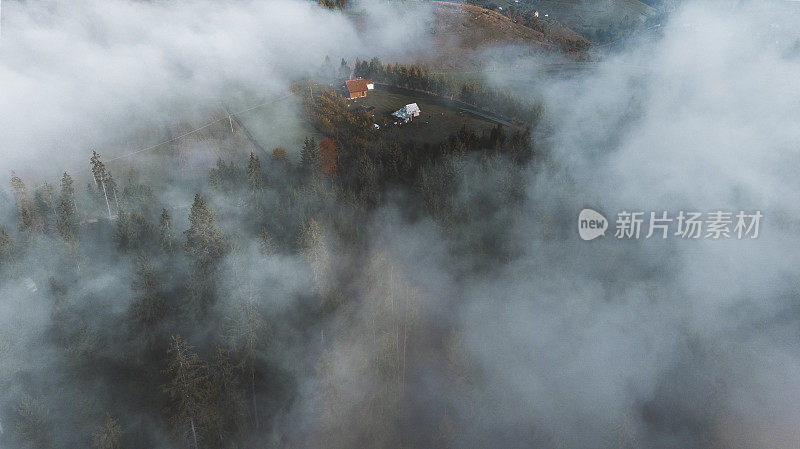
[591, 224]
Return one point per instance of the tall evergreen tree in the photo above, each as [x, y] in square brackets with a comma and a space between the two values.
[266, 245]
[109, 436]
[228, 401]
[244, 332]
[32, 220]
[313, 243]
[254, 174]
[67, 215]
[165, 233]
[6, 248]
[206, 244]
[204, 239]
[46, 204]
[33, 428]
[310, 159]
[188, 390]
[344, 69]
[149, 307]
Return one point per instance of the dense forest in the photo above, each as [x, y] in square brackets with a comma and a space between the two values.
[205, 337]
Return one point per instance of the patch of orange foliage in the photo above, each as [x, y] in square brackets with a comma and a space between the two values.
[329, 156]
[279, 155]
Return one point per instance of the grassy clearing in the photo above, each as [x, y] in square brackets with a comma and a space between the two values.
[438, 118]
[280, 124]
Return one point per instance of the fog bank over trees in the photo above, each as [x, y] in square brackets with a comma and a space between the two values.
[361, 290]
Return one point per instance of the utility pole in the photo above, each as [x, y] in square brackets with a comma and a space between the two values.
[106, 196]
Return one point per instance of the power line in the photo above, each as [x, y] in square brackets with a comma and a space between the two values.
[173, 139]
[200, 128]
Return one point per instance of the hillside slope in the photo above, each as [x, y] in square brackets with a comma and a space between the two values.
[476, 27]
[587, 16]
[471, 36]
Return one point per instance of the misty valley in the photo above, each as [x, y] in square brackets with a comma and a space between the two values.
[352, 224]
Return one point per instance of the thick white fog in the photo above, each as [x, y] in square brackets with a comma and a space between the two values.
[609, 343]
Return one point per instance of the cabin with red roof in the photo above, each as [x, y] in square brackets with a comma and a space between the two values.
[357, 88]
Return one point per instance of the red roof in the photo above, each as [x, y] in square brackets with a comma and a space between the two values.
[356, 85]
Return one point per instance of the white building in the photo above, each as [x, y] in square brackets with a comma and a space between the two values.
[407, 112]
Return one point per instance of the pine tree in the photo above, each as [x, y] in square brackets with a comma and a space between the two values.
[124, 233]
[310, 161]
[265, 243]
[33, 429]
[252, 341]
[254, 174]
[109, 436]
[313, 244]
[206, 244]
[67, 214]
[188, 390]
[32, 221]
[328, 70]
[6, 249]
[229, 404]
[244, 332]
[150, 306]
[166, 236]
[46, 204]
[204, 240]
[344, 69]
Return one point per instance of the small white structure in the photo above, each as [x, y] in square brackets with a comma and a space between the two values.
[407, 112]
[536, 14]
[370, 86]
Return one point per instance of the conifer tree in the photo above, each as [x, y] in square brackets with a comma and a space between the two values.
[188, 390]
[6, 249]
[65, 222]
[67, 214]
[310, 160]
[266, 244]
[133, 231]
[245, 335]
[313, 244]
[166, 235]
[206, 244]
[344, 69]
[109, 436]
[32, 221]
[204, 239]
[46, 204]
[229, 405]
[254, 175]
[150, 306]
[33, 429]
[124, 233]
